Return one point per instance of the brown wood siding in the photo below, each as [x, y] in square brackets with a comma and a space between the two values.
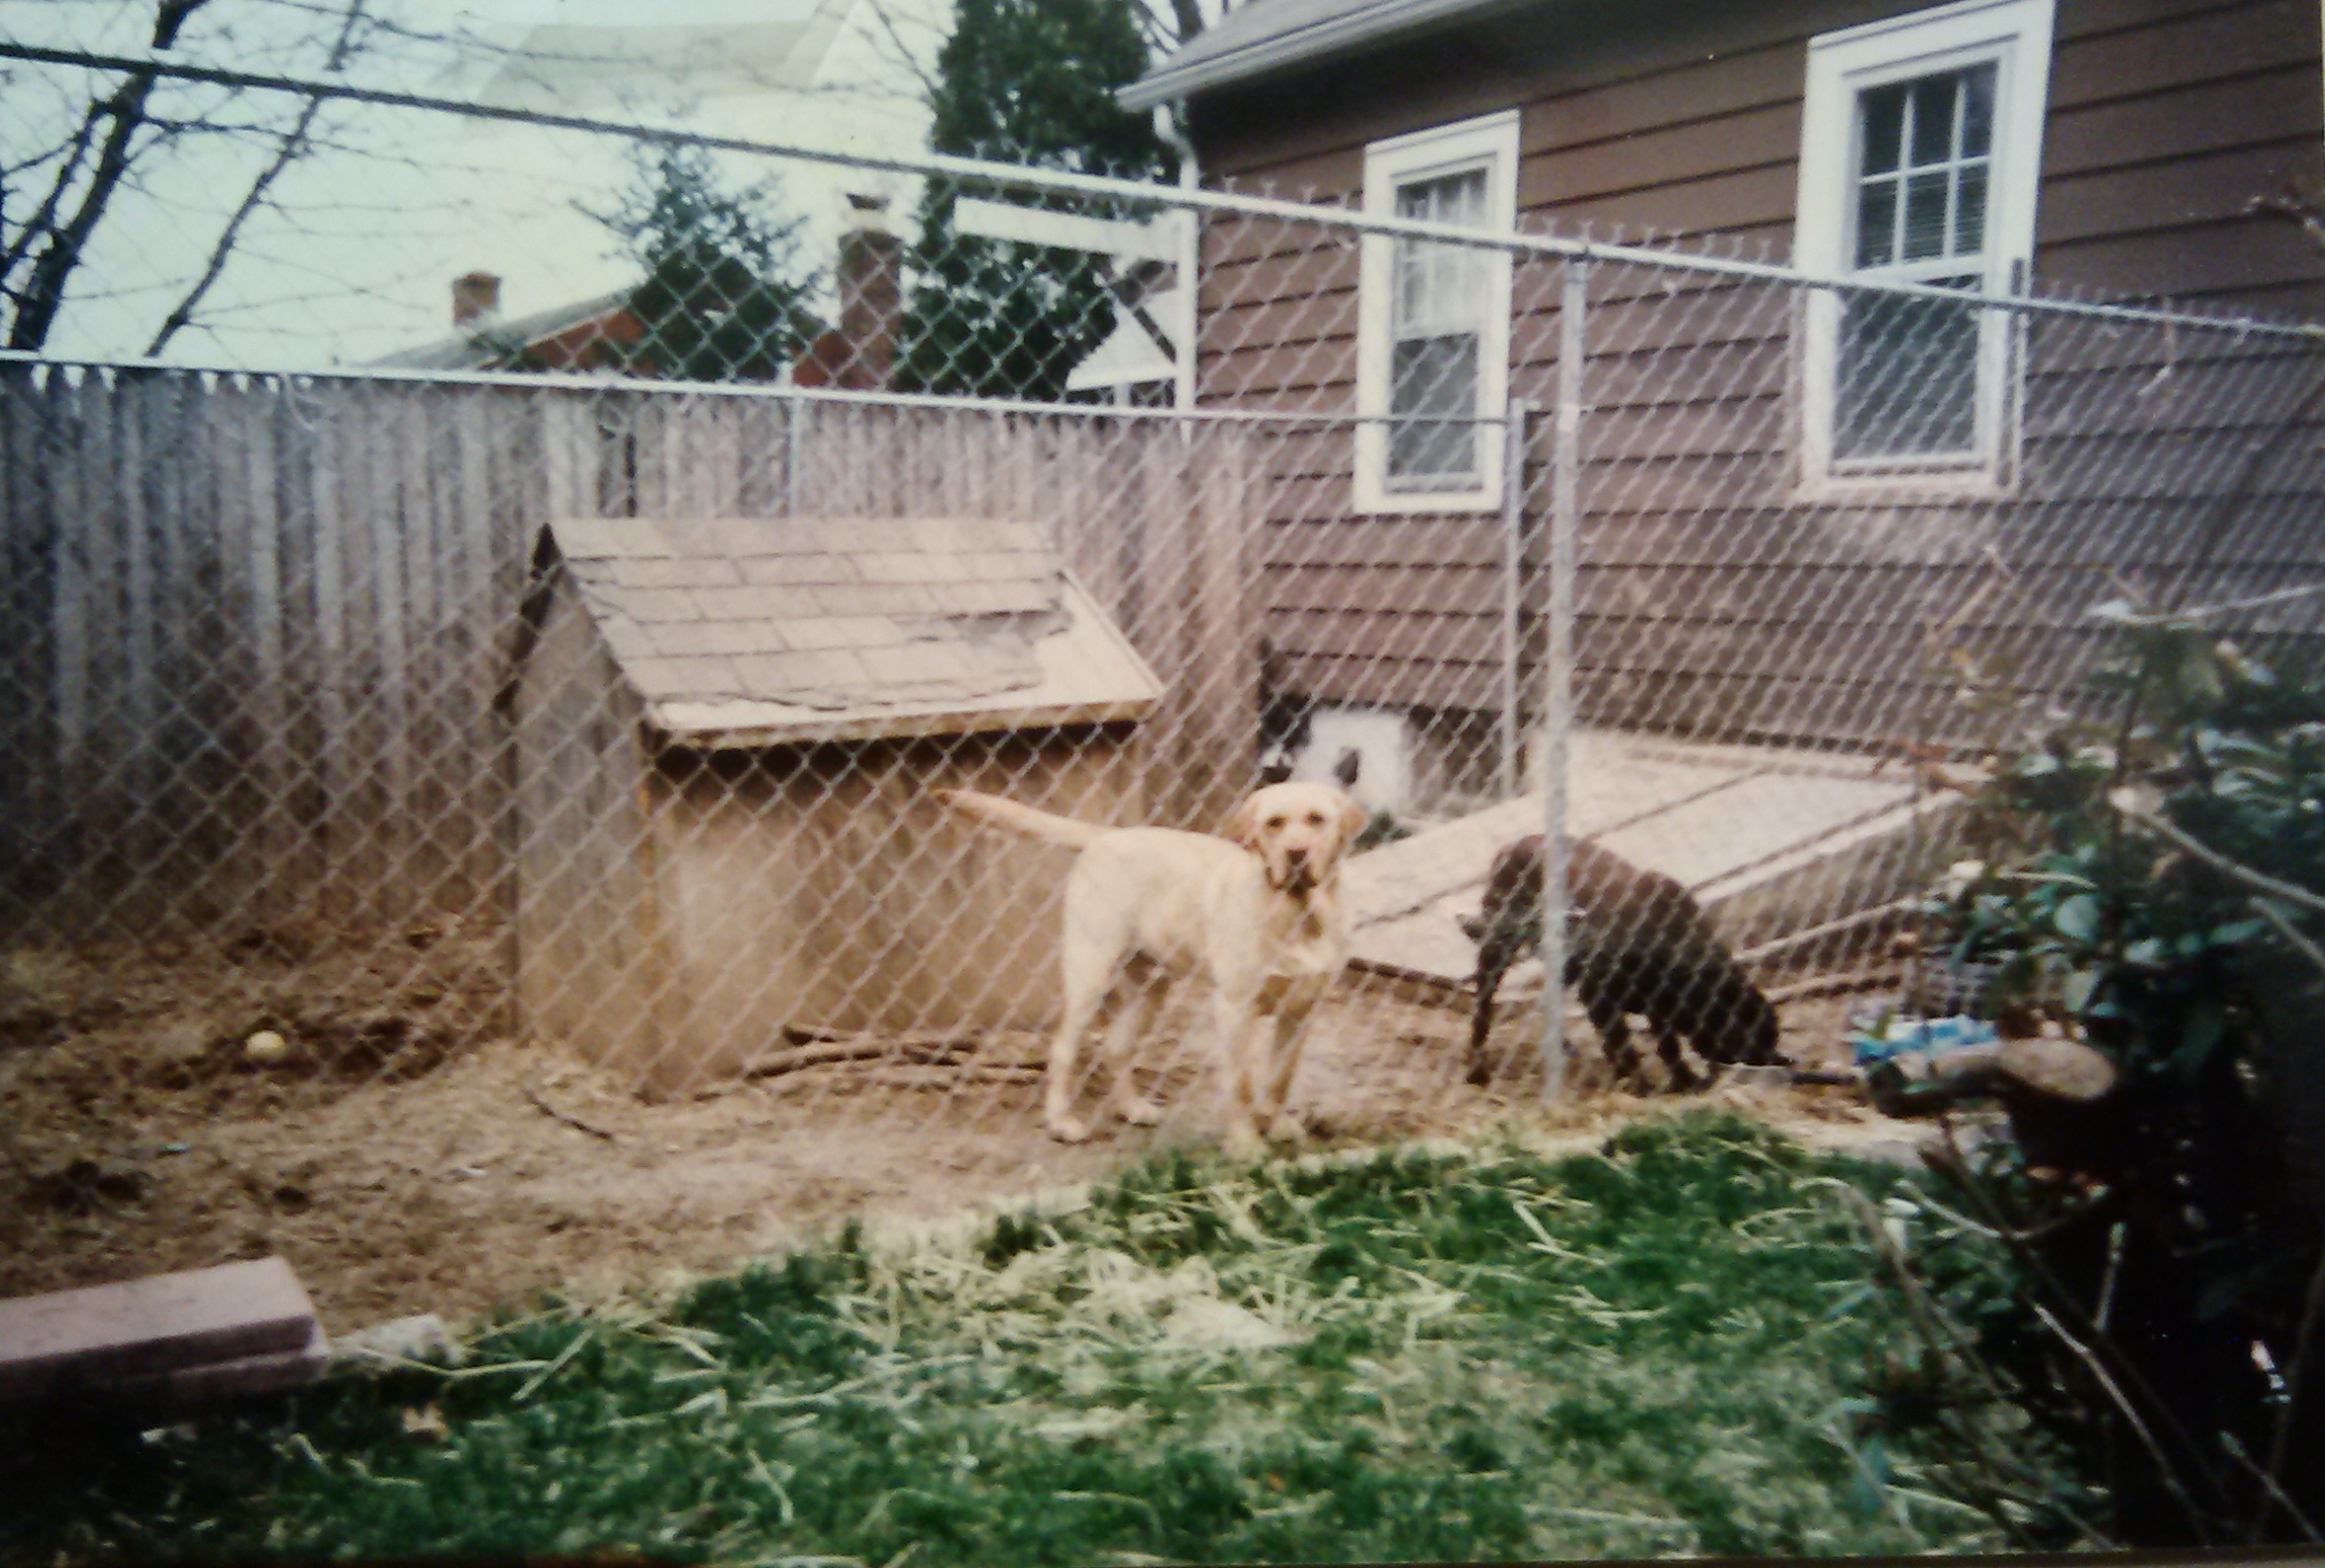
[1711, 593]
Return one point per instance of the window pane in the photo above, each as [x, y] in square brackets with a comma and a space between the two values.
[1977, 111]
[1933, 118]
[1908, 378]
[1440, 288]
[1970, 211]
[1877, 223]
[1413, 292]
[1433, 392]
[1906, 383]
[1882, 116]
[1450, 199]
[1925, 216]
[1440, 297]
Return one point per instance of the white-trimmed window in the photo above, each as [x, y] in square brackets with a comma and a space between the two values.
[1920, 150]
[1433, 329]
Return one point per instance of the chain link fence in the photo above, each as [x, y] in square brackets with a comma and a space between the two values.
[472, 819]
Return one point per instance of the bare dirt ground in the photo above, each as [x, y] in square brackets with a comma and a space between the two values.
[406, 1156]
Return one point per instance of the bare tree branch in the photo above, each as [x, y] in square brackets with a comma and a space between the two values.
[2280, 1439]
[905, 56]
[44, 220]
[2196, 1518]
[294, 143]
[2131, 807]
[122, 111]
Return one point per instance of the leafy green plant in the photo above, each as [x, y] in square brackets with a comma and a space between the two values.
[2149, 877]
[2090, 915]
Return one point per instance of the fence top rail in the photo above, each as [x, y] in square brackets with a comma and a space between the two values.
[600, 382]
[155, 62]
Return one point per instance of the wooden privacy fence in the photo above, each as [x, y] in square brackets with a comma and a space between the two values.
[253, 629]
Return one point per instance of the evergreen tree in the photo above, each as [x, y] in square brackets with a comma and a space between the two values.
[1024, 81]
[722, 298]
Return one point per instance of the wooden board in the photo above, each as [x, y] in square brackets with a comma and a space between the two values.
[1771, 840]
[154, 1327]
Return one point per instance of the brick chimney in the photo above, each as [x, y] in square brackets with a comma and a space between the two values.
[860, 353]
[476, 296]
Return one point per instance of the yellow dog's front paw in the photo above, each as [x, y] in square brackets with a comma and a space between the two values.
[1141, 1113]
[1070, 1130]
[1243, 1141]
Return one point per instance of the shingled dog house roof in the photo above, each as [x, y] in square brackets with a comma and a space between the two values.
[748, 631]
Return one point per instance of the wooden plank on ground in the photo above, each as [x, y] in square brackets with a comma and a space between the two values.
[145, 1327]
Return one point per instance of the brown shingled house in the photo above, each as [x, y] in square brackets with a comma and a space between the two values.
[1762, 553]
[726, 729]
[2153, 122]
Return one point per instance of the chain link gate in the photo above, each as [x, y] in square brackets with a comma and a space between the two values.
[470, 818]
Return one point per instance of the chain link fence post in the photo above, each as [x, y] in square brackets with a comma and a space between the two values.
[1513, 595]
[1558, 660]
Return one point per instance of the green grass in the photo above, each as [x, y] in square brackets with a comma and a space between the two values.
[1681, 1344]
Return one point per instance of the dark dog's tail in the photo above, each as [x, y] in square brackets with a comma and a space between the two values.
[1025, 819]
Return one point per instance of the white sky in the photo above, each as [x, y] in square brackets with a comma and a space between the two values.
[369, 231]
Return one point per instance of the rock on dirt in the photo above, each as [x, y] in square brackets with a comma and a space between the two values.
[399, 1341]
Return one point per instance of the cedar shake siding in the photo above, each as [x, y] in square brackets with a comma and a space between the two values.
[1712, 597]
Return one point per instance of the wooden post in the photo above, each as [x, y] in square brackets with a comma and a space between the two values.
[760, 435]
[327, 501]
[1223, 664]
[417, 880]
[76, 528]
[795, 414]
[652, 425]
[382, 715]
[472, 614]
[32, 850]
[274, 840]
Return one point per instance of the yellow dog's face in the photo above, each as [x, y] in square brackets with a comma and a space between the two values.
[1298, 831]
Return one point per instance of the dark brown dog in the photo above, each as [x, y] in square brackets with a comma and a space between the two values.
[1637, 943]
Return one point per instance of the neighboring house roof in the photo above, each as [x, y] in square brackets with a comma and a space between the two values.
[745, 631]
[492, 340]
[1268, 37]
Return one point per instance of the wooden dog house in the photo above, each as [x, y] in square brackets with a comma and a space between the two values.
[726, 734]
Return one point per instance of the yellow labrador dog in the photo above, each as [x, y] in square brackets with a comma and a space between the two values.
[1257, 910]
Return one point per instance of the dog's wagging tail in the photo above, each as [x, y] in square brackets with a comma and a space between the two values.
[1027, 820]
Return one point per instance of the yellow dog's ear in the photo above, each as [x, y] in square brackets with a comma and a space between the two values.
[1243, 823]
[1353, 818]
